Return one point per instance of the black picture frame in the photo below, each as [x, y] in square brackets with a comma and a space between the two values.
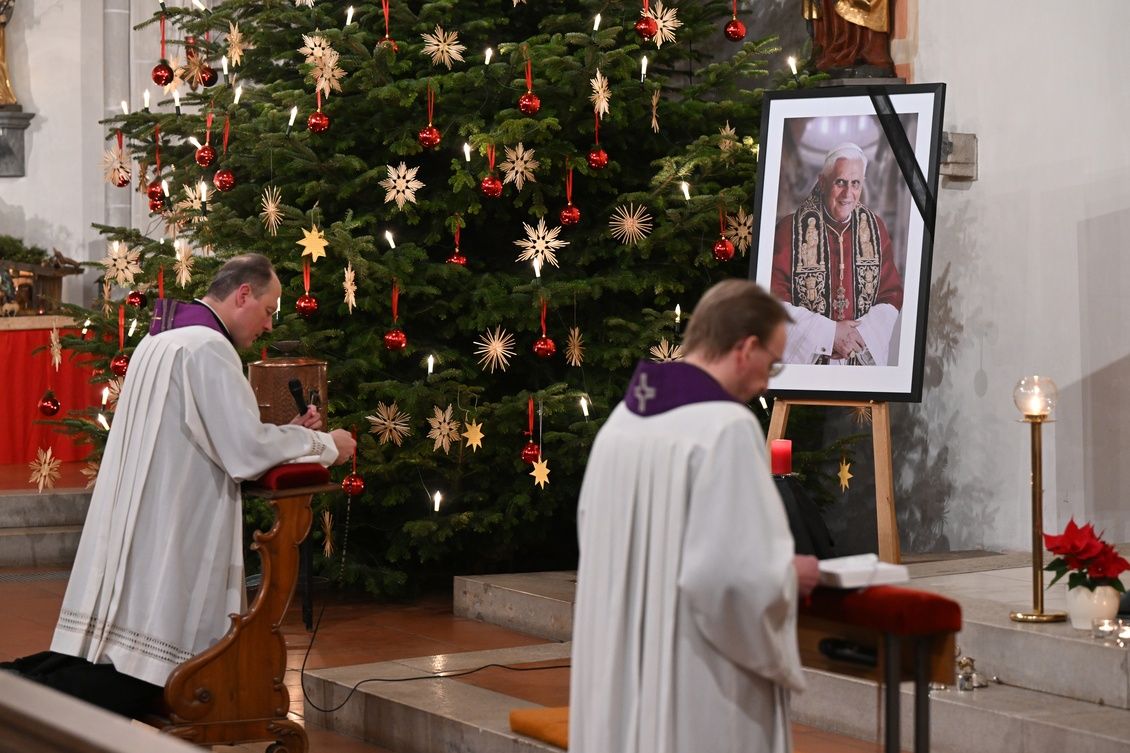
[898, 130]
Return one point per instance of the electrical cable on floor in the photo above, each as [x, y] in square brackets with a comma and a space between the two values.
[436, 676]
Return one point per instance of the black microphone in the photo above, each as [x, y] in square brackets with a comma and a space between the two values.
[295, 387]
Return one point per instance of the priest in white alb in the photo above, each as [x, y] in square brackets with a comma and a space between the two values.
[684, 629]
[160, 563]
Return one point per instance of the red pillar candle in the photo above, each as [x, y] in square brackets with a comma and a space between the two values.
[781, 456]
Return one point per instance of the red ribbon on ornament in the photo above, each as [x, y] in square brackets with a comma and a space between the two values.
[306, 275]
[319, 95]
[646, 8]
[208, 129]
[456, 237]
[384, 6]
[157, 141]
[121, 142]
[121, 326]
[529, 76]
[163, 56]
[596, 132]
[543, 317]
[735, 8]
[431, 102]
[227, 131]
[721, 221]
[569, 186]
[530, 410]
[490, 155]
[395, 300]
[160, 282]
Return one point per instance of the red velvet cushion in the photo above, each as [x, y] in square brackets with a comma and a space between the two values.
[888, 609]
[293, 475]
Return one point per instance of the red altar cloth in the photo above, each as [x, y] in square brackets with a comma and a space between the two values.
[24, 378]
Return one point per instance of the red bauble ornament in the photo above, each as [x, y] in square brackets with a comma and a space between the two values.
[429, 136]
[122, 180]
[156, 206]
[723, 250]
[306, 305]
[205, 156]
[544, 347]
[353, 484]
[153, 190]
[162, 73]
[136, 299]
[734, 30]
[491, 187]
[531, 452]
[208, 76]
[119, 364]
[224, 180]
[598, 158]
[647, 27]
[570, 215]
[49, 404]
[389, 42]
[318, 122]
[395, 339]
[457, 258]
[529, 104]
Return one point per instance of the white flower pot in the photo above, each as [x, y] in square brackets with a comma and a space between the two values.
[1085, 605]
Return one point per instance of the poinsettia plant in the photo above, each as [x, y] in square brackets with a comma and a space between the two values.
[1085, 558]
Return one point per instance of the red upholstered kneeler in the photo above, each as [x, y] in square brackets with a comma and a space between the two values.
[888, 634]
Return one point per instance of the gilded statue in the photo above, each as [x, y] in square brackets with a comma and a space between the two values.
[7, 96]
[851, 35]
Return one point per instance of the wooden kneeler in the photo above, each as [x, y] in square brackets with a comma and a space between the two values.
[234, 693]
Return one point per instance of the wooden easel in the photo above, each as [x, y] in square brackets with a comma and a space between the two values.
[885, 522]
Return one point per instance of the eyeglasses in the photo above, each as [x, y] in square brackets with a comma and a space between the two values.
[776, 369]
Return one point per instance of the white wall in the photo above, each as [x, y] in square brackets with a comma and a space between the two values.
[1029, 274]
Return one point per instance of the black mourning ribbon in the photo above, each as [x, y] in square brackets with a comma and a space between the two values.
[924, 199]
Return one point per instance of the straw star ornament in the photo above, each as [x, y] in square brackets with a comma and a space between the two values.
[56, 349]
[445, 429]
[44, 469]
[271, 215]
[495, 349]
[443, 47]
[401, 184]
[574, 347]
[237, 45]
[739, 230]
[666, 352]
[601, 94]
[116, 165]
[540, 243]
[519, 166]
[121, 264]
[183, 265]
[314, 47]
[667, 21]
[390, 424]
[630, 224]
[349, 285]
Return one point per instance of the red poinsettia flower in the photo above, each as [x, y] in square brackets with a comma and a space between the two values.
[1076, 543]
[1108, 564]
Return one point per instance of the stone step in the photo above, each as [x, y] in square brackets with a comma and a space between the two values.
[39, 530]
[999, 718]
[426, 715]
[538, 604]
[41, 546]
[23, 510]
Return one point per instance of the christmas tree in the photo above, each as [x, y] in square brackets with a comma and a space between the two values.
[496, 210]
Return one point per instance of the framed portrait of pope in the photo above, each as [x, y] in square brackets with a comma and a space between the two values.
[846, 197]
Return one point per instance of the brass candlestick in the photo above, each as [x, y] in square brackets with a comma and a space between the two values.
[1035, 396]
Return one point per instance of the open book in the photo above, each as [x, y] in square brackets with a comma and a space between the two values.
[860, 570]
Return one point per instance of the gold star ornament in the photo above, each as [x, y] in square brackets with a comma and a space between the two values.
[313, 243]
[541, 472]
[845, 474]
[445, 429]
[474, 435]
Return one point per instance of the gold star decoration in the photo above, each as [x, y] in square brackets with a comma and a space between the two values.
[739, 230]
[495, 349]
[861, 414]
[445, 429]
[541, 472]
[183, 265]
[655, 111]
[327, 533]
[271, 214]
[474, 435]
[116, 165]
[443, 47]
[390, 424]
[727, 138]
[845, 474]
[90, 470]
[601, 94]
[540, 243]
[519, 166]
[401, 184]
[44, 469]
[121, 264]
[630, 224]
[313, 243]
[236, 44]
[56, 349]
[574, 347]
[667, 21]
[665, 352]
[350, 287]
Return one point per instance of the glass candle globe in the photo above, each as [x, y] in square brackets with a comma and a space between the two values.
[1035, 396]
